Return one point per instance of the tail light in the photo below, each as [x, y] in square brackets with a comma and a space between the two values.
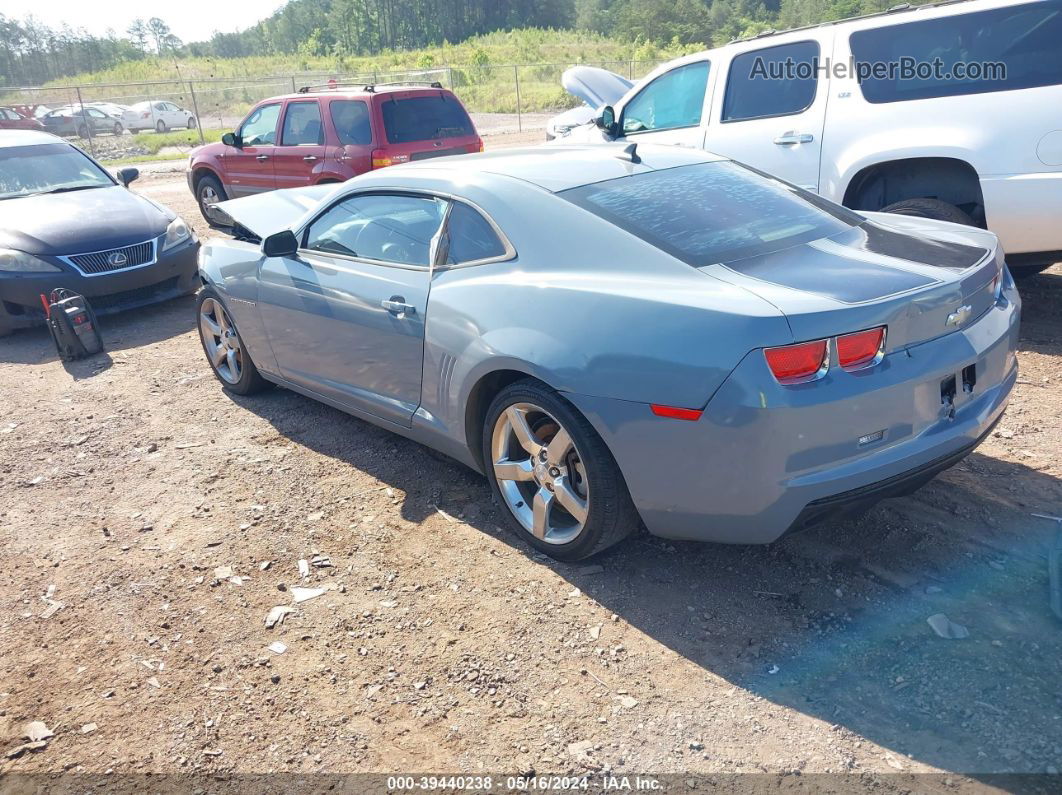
[381, 159]
[476, 147]
[800, 362]
[861, 348]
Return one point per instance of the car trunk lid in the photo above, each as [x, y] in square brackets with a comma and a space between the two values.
[884, 272]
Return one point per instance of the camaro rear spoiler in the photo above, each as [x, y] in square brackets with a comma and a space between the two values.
[273, 211]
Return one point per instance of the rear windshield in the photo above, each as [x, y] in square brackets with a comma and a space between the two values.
[47, 168]
[712, 212]
[425, 118]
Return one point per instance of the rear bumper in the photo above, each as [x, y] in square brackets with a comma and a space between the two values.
[765, 459]
[175, 273]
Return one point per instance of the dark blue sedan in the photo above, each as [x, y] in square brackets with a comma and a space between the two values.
[66, 222]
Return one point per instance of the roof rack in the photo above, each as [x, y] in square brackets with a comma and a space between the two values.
[902, 7]
[370, 87]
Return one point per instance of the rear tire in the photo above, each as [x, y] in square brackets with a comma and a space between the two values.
[930, 208]
[82, 131]
[209, 191]
[161, 126]
[224, 348]
[554, 474]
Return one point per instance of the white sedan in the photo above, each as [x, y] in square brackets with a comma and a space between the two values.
[161, 115]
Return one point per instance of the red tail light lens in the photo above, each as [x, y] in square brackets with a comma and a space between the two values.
[797, 362]
[861, 348]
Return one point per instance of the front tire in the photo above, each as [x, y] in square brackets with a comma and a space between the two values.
[117, 129]
[191, 122]
[552, 475]
[223, 346]
[209, 191]
[930, 208]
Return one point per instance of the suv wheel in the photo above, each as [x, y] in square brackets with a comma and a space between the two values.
[552, 476]
[209, 191]
[930, 208]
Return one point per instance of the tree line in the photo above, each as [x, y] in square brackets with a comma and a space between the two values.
[32, 53]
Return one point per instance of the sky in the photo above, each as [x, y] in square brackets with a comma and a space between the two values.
[190, 20]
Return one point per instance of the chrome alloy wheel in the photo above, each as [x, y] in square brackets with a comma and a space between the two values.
[221, 341]
[540, 473]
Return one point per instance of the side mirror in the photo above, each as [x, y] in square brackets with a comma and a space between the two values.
[127, 175]
[280, 244]
[606, 121]
[231, 139]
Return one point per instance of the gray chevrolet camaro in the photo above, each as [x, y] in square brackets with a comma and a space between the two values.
[620, 335]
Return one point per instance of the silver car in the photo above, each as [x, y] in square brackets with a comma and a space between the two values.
[619, 335]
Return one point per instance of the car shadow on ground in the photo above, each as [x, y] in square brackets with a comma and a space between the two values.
[831, 622]
[125, 330]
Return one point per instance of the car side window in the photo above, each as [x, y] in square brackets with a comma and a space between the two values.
[302, 124]
[775, 81]
[350, 117]
[96, 114]
[261, 126]
[160, 106]
[674, 99]
[394, 229]
[472, 238]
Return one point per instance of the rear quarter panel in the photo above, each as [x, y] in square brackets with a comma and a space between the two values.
[586, 308]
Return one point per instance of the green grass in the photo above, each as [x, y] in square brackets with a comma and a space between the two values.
[134, 159]
[480, 70]
[186, 139]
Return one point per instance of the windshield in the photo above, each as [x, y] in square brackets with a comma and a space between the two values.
[712, 212]
[47, 168]
[424, 118]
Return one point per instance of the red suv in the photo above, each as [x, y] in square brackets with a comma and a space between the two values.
[329, 134]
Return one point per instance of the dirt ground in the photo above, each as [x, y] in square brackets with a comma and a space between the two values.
[131, 482]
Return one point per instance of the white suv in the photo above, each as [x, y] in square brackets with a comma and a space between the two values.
[983, 150]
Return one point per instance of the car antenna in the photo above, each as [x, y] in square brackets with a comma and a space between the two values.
[630, 152]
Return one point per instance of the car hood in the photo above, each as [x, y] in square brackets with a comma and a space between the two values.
[594, 86]
[81, 221]
[274, 211]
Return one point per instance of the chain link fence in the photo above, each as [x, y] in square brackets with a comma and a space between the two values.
[501, 98]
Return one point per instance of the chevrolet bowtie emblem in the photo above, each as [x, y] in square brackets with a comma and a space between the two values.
[959, 316]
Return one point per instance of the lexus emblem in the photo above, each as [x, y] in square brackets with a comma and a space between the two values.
[959, 316]
[117, 259]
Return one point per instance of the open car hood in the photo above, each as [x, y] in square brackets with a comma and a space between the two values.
[594, 86]
[273, 211]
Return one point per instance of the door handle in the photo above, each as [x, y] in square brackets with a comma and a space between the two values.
[397, 305]
[309, 158]
[790, 138]
[261, 158]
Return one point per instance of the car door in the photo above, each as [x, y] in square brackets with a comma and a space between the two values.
[300, 151]
[771, 113]
[99, 120]
[668, 109]
[175, 115]
[249, 166]
[345, 316]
